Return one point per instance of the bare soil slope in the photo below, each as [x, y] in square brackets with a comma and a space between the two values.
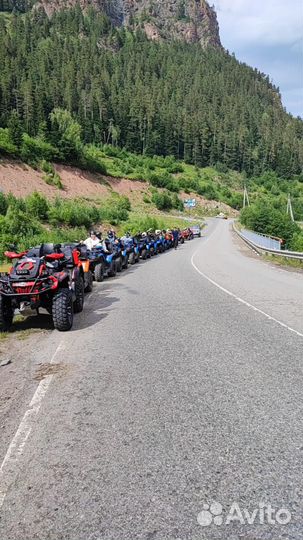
[21, 180]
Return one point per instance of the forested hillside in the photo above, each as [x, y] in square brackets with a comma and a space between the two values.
[167, 98]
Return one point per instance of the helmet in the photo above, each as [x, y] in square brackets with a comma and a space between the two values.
[92, 233]
[158, 232]
[144, 235]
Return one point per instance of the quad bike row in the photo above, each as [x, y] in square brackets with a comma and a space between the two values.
[56, 277]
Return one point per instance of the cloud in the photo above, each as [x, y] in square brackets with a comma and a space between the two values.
[268, 35]
[272, 21]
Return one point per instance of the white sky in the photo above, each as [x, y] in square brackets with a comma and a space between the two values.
[268, 35]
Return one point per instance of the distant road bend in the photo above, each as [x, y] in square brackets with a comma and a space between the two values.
[177, 397]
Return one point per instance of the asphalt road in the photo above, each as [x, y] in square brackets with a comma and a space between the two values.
[170, 393]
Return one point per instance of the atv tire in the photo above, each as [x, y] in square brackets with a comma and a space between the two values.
[144, 254]
[79, 292]
[6, 313]
[132, 258]
[113, 269]
[88, 281]
[62, 310]
[99, 272]
[119, 264]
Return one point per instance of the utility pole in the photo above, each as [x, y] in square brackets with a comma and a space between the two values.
[289, 208]
[245, 197]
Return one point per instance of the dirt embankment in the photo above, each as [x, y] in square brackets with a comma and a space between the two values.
[22, 180]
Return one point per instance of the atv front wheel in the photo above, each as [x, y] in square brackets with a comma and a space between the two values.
[113, 269]
[62, 310]
[79, 292]
[88, 280]
[99, 272]
[125, 262]
[6, 313]
[144, 254]
[119, 264]
[132, 258]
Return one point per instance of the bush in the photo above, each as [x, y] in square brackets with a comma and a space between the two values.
[264, 218]
[37, 206]
[115, 209]
[6, 144]
[221, 167]
[163, 180]
[3, 204]
[137, 225]
[19, 223]
[73, 213]
[208, 191]
[91, 159]
[66, 134]
[35, 150]
[51, 177]
[162, 201]
[177, 203]
[296, 243]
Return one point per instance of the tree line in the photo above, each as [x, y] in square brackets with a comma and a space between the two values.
[168, 98]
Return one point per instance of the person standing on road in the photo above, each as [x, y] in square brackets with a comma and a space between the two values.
[176, 238]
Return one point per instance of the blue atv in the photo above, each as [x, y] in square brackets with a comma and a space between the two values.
[109, 263]
[142, 246]
[128, 253]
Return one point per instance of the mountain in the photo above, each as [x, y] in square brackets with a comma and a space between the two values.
[170, 95]
[193, 21]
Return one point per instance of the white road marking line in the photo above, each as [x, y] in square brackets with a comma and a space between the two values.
[251, 306]
[9, 467]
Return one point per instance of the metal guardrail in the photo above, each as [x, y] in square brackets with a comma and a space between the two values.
[264, 240]
[253, 240]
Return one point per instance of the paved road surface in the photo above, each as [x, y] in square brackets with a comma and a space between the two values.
[169, 394]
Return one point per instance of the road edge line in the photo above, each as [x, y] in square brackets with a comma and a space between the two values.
[8, 469]
[240, 300]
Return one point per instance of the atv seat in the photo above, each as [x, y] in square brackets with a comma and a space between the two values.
[43, 250]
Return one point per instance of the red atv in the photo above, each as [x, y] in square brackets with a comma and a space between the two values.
[47, 276]
[187, 234]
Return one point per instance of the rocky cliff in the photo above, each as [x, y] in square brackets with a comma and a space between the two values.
[193, 21]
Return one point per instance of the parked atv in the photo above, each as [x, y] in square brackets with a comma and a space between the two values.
[187, 234]
[107, 264]
[143, 247]
[130, 252]
[169, 240]
[46, 277]
[87, 263]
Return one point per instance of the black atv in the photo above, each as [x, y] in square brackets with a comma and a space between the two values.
[48, 277]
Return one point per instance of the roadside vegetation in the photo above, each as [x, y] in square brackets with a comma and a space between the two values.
[295, 264]
[34, 219]
[267, 211]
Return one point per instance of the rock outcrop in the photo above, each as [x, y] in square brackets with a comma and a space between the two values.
[193, 21]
